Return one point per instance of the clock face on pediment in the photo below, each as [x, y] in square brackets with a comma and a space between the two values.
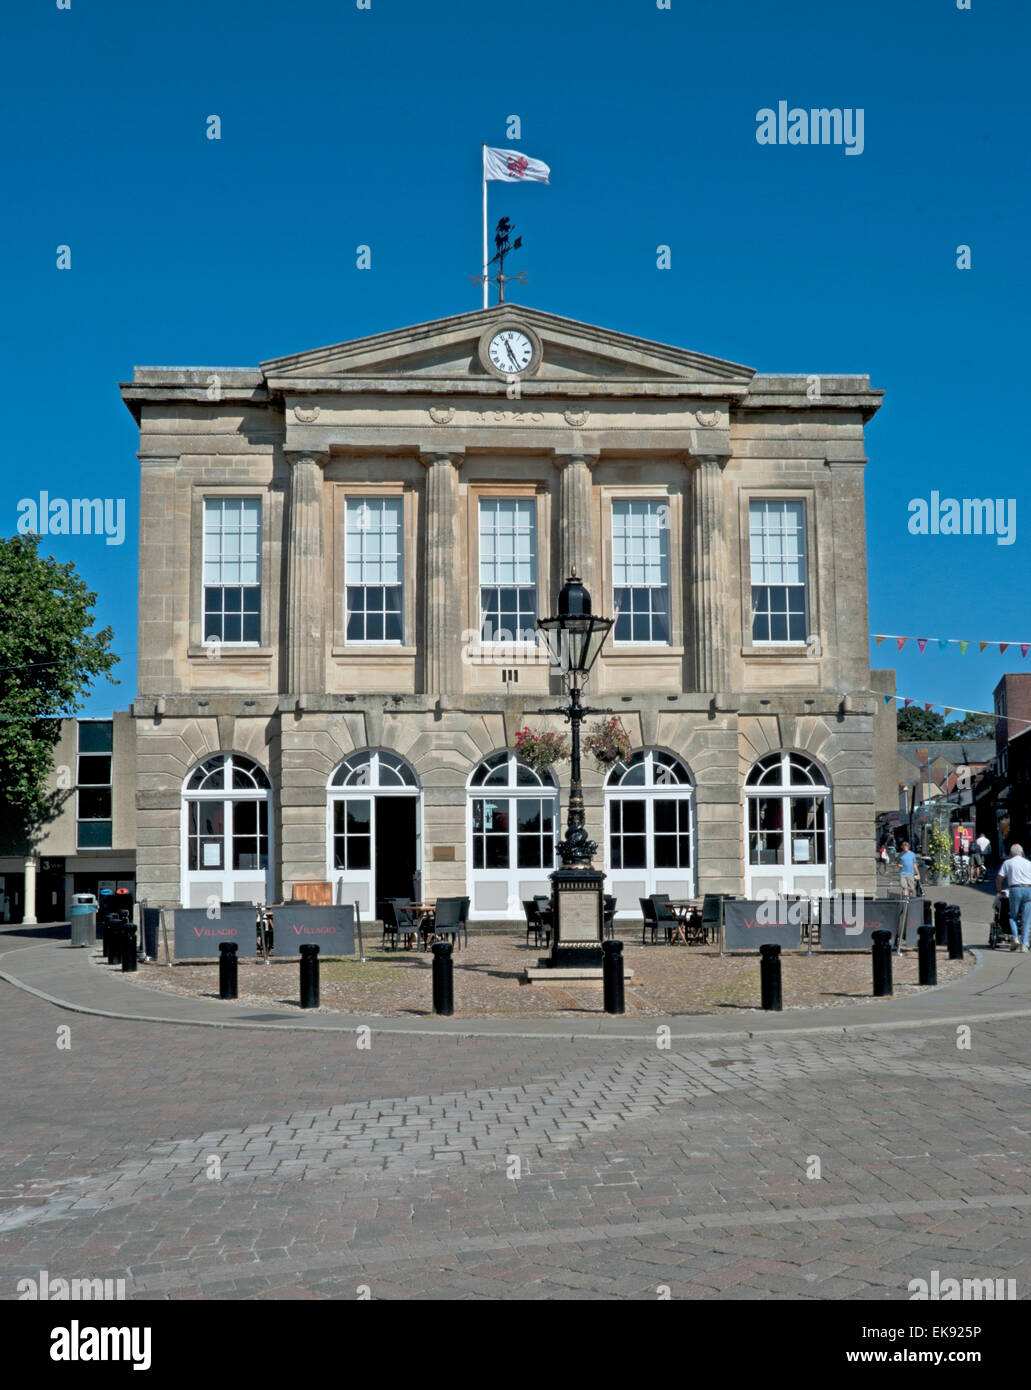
[509, 350]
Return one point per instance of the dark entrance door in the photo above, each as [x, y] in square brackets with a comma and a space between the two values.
[395, 845]
[50, 891]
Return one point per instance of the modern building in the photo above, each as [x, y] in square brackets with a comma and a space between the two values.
[91, 842]
[343, 553]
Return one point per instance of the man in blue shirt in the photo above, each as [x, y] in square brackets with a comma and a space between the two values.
[909, 871]
[1015, 876]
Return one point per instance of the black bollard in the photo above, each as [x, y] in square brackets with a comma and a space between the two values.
[926, 957]
[612, 977]
[113, 933]
[928, 912]
[940, 923]
[954, 924]
[443, 979]
[769, 977]
[881, 952]
[129, 947]
[309, 977]
[228, 987]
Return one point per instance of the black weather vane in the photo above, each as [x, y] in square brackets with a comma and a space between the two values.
[504, 246]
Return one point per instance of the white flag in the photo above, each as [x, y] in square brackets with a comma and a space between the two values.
[512, 167]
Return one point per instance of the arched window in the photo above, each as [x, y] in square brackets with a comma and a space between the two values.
[375, 770]
[512, 827]
[374, 829]
[225, 829]
[649, 828]
[787, 825]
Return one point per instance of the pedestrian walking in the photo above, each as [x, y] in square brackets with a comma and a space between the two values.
[979, 856]
[909, 871]
[1015, 875]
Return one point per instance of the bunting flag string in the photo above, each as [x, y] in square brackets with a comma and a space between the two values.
[945, 642]
[906, 700]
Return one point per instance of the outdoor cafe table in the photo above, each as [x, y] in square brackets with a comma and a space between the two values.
[689, 912]
[420, 911]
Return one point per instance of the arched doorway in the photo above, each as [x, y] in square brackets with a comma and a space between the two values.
[787, 826]
[649, 829]
[374, 828]
[226, 848]
[512, 825]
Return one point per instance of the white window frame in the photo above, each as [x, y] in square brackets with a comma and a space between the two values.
[787, 872]
[520, 504]
[359, 885]
[222, 501]
[221, 882]
[395, 500]
[655, 878]
[546, 788]
[662, 512]
[109, 786]
[764, 559]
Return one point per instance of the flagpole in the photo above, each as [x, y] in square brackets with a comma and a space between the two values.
[485, 224]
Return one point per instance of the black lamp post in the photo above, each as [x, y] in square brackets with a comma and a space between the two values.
[575, 637]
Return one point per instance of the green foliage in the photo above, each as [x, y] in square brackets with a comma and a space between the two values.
[970, 727]
[939, 845]
[49, 659]
[919, 725]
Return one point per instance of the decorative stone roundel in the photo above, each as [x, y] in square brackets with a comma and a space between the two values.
[577, 418]
[306, 417]
[442, 414]
[707, 418]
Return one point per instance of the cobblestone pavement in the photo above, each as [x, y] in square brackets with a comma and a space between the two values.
[196, 1163]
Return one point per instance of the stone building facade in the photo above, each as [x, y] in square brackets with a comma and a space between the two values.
[342, 555]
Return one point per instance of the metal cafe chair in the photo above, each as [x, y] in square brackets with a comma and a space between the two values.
[650, 920]
[543, 906]
[665, 918]
[387, 918]
[465, 918]
[535, 925]
[404, 923]
[446, 920]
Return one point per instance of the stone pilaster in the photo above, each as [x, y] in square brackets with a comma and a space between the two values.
[441, 585]
[306, 580]
[576, 540]
[710, 577]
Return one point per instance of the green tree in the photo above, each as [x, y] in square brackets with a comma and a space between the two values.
[919, 725]
[49, 659]
[970, 727]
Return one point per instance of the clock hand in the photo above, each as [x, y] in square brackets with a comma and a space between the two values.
[508, 349]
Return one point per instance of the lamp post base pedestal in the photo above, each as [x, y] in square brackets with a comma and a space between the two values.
[543, 973]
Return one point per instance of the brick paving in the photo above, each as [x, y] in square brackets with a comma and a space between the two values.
[197, 1162]
[488, 982]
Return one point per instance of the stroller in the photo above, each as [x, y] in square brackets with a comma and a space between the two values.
[1000, 933]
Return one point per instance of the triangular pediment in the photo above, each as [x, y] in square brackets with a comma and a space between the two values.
[448, 350]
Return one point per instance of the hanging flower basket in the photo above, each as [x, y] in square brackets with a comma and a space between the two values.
[540, 750]
[608, 742]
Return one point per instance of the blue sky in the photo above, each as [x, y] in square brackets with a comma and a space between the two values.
[343, 127]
